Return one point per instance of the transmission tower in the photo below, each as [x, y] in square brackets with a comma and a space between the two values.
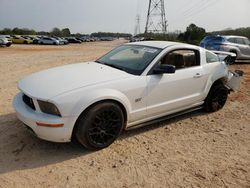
[137, 26]
[156, 18]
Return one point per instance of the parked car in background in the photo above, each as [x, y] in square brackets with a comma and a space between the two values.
[73, 40]
[48, 40]
[235, 44]
[61, 40]
[5, 42]
[134, 84]
[85, 39]
[78, 38]
[33, 37]
[5, 36]
[21, 40]
[106, 38]
[36, 39]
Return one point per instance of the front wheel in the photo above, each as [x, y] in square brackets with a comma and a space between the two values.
[100, 125]
[216, 98]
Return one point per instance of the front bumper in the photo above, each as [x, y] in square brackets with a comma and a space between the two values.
[30, 118]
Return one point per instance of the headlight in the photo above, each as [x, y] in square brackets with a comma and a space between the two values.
[48, 108]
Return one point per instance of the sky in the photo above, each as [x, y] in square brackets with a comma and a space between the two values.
[87, 16]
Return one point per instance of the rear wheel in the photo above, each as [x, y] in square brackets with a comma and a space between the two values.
[216, 98]
[100, 125]
[25, 42]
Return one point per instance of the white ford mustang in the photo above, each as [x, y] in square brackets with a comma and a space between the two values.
[134, 84]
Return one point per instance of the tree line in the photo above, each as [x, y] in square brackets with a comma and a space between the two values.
[193, 34]
[240, 31]
[25, 31]
[65, 32]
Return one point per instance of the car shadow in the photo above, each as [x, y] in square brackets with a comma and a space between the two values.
[20, 150]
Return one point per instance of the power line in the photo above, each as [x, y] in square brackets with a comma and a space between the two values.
[196, 9]
[190, 15]
[194, 6]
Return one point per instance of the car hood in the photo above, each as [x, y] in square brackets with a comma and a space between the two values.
[53, 82]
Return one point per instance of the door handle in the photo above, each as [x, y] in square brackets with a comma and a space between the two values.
[197, 75]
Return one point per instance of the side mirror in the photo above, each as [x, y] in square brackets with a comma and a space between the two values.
[164, 69]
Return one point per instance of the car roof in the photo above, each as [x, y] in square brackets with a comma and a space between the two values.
[233, 36]
[160, 44]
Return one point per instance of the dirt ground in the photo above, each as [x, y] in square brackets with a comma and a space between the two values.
[194, 150]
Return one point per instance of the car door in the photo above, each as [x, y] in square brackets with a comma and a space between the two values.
[244, 48]
[184, 88]
[17, 40]
[48, 40]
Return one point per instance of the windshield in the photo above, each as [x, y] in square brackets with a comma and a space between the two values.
[130, 58]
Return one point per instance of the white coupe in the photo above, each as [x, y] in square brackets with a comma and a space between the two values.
[132, 85]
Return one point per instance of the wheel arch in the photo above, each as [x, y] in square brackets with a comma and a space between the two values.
[221, 80]
[85, 102]
[121, 105]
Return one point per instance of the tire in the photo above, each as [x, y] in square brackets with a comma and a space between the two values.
[99, 126]
[25, 42]
[216, 98]
[54, 43]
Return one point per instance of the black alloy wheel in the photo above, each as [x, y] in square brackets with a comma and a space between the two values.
[216, 98]
[100, 125]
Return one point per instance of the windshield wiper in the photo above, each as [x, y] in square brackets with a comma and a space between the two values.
[114, 66]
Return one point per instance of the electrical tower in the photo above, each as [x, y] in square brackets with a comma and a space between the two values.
[137, 26]
[156, 18]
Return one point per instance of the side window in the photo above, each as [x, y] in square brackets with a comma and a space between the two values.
[240, 41]
[232, 40]
[182, 59]
[211, 58]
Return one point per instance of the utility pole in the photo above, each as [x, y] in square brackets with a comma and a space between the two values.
[137, 26]
[156, 17]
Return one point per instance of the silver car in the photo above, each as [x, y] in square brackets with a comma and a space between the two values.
[48, 40]
[5, 42]
[236, 44]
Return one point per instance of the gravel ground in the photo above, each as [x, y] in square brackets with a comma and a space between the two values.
[193, 150]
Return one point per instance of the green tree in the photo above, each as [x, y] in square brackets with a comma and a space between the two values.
[56, 32]
[240, 31]
[66, 32]
[6, 31]
[193, 34]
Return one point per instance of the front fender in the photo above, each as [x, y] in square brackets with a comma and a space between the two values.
[73, 104]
